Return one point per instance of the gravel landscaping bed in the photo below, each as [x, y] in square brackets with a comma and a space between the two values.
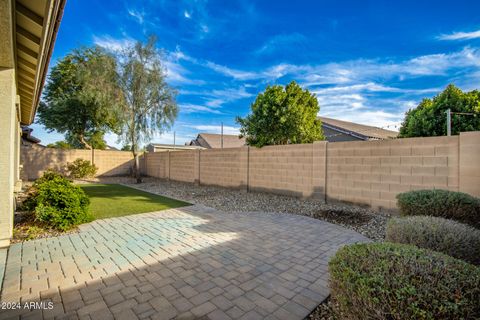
[367, 222]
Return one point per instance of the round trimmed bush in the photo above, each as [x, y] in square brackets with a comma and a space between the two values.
[59, 203]
[457, 206]
[447, 236]
[397, 281]
[81, 169]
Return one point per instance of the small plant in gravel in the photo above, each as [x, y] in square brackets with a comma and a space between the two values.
[80, 169]
[33, 232]
[397, 281]
[447, 236]
[457, 206]
[59, 203]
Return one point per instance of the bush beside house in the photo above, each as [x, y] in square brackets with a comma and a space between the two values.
[57, 202]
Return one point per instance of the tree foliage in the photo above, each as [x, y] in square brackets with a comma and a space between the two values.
[81, 97]
[126, 147]
[282, 115]
[429, 117]
[60, 145]
[94, 139]
[149, 102]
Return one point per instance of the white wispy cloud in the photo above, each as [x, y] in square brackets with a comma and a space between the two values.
[218, 97]
[236, 74]
[204, 28]
[460, 35]
[113, 44]
[215, 129]
[359, 70]
[281, 41]
[187, 14]
[139, 16]
[370, 87]
[180, 138]
[195, 108]
[352, 90]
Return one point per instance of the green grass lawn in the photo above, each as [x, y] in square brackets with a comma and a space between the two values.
[114, 200]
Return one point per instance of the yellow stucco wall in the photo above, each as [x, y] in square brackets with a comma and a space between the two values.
[8, 123]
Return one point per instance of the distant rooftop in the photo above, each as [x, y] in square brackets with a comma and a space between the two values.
[155, 147]
[360, 131]
[214, 141]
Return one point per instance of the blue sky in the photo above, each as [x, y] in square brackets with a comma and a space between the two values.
[367, 61]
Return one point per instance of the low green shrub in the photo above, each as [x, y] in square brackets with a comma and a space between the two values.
[447, 236]
[80, 168]
[48, 175]
[397, 281]
[30, 202]
[457, 206]
[59, 203]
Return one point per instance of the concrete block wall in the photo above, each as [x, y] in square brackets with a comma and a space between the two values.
[363, 172]
[36, 159]
[113, 163]
[183, 165]
[156, 164]
[469, 152]
[319, 176]
[282, 169]
[374, 172]
[224, 167]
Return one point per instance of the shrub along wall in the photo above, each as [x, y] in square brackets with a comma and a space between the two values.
[365, 172]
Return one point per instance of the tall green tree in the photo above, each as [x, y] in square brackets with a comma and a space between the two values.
[81, 97]
[149, 102]
[282, 115]
[429, 117]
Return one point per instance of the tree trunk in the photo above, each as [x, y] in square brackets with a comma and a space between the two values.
[137, 169]
[84, 142]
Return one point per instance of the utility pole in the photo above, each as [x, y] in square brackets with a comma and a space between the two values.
[222, 135]
[174, 144]
[449, 122]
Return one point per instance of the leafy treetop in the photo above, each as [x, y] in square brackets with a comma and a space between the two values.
[429, 117]
[282, 115]
[81, 97]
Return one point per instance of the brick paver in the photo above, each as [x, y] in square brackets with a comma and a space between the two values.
[192, 262]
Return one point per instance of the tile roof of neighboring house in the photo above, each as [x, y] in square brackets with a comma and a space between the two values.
[359, 130]
[214, 141]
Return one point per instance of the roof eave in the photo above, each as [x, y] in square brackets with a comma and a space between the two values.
[51, 26]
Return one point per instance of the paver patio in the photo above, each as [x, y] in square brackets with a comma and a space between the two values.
[188, 263]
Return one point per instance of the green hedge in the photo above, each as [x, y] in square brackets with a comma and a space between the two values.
[447, 236]
[59, 203]
[397, 281]
[457, 206]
